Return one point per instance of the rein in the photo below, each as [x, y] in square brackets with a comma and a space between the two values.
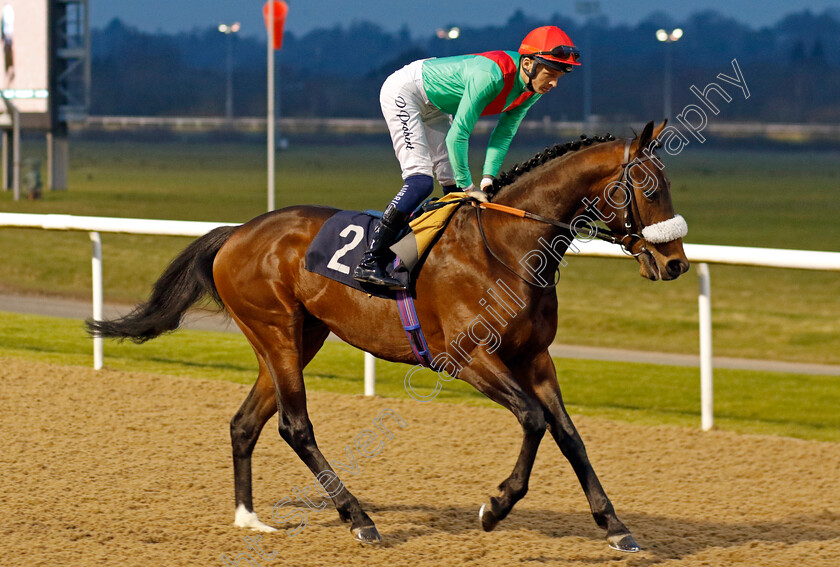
[629, 213]
[603, 234]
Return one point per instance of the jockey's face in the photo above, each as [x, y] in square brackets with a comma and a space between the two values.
[546, 77]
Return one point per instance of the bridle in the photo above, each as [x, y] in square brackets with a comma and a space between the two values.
[629, 213]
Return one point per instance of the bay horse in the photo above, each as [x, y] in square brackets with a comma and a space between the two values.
[256, 272]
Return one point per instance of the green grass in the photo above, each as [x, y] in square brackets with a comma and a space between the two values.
[745, 401]
[772, 198]
[769, 199]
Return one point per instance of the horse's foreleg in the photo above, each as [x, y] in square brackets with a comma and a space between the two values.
[493, 379]
[296, 430]
[570, 443]
[514, 487]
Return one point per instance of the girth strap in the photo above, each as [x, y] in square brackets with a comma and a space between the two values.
[411, 324]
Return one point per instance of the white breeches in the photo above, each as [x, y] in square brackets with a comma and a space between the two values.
[418, 129]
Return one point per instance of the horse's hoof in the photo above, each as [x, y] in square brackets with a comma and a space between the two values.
[248, 519]
[487, 518]
[366, 534]
[623, 542]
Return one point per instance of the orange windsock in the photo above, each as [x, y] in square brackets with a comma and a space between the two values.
[280, 11]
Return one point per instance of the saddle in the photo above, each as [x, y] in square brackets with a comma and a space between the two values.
[340, 244]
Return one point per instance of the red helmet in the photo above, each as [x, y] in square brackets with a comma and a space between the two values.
[550, 46]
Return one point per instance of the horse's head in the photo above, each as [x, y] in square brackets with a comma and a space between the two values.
[621, 182]
[639, 210]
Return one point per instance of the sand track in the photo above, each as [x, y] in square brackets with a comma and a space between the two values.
[113, 468]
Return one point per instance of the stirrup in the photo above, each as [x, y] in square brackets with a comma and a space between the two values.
[376, 277]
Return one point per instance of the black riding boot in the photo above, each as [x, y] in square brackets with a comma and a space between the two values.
[372, 267]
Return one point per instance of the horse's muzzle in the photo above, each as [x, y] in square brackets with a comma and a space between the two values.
[676, 268]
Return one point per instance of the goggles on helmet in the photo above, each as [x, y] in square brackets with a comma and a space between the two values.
[562, 52]
[564, 67]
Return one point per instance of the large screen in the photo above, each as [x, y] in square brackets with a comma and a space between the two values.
[23, 69]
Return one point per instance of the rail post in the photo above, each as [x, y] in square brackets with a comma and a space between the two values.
[370, 374]
[96, 266]
[704, 301]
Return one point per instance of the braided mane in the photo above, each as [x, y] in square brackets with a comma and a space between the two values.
[547, 154]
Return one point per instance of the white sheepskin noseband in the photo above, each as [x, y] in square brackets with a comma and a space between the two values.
[665, 231]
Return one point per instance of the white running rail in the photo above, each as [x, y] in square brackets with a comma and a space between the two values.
[701, 254]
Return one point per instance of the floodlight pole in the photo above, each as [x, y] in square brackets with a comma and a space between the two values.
[271, 141]
[669, 64]
[588, 9]
[229, 89]
[229, 30]
[668, 38]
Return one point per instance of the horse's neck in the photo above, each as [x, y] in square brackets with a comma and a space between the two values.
[557, 188]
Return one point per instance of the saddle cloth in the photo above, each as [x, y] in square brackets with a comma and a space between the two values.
[340, 244]
[338, 248]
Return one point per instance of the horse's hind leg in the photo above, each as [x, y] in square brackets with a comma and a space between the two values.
[246, 425]
[245, 428]
[570, 443]
[285, 358]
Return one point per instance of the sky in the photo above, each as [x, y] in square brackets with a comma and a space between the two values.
[422, 17]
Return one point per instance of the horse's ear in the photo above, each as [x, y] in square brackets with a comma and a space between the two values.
[645, 137]
[658, 129]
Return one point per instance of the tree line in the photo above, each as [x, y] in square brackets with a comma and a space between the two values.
[792, 67]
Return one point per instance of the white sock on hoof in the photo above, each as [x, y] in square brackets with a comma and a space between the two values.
[246, 519]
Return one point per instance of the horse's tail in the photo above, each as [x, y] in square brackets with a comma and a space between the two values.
[187, 279]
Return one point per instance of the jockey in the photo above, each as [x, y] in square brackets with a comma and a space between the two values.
[431, 107]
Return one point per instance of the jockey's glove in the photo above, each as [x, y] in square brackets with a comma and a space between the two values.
[477, 194]
[487, 181]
